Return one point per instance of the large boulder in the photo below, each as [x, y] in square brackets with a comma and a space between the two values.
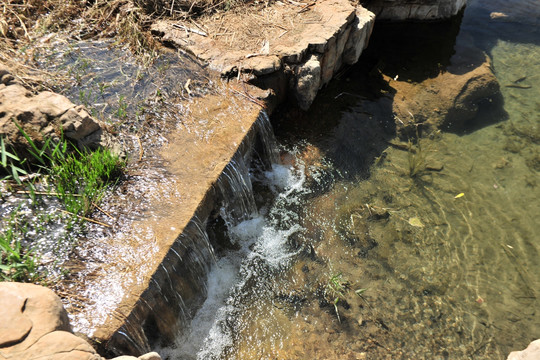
[34, 324]
[46, 115]
[448, 101]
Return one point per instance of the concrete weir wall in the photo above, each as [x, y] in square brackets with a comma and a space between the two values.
[165, 282]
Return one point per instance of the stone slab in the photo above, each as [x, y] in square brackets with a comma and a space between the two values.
[335, 30]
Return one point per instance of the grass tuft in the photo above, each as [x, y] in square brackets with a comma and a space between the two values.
[16, 262]
[416, 159]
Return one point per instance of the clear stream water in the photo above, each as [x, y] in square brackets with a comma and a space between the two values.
[418, 271]
[444, 266]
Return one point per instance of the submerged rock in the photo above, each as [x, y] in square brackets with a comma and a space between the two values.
[46, 115]
[448, 101]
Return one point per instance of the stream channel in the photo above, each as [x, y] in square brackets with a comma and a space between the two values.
[352, 258]
[344, 255]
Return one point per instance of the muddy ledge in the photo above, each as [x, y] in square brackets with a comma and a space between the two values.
[299, 61]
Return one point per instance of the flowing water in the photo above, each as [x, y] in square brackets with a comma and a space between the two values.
[350, 257]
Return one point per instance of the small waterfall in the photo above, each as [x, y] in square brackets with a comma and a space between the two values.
[177, 288]
[267, 139]
[264, 250]
[236, 192]
[191, 283]
[190, 272]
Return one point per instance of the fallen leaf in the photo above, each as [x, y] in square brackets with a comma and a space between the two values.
[414, 221]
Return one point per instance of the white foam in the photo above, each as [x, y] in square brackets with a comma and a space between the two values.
[261, 238]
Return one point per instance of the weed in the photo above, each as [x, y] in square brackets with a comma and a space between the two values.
[416, 159]
[85, 97]
[11, 163]
[102, 87]
[337, 289]
[16, 263]
[121, 113]
[80, 177]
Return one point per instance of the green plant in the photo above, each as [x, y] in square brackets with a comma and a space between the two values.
[337, 289]
[80, 177]
[11, 163]
[16, 263]
[102, 87]
[121, 113]
[416, 159]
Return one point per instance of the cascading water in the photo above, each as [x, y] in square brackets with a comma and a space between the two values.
[262, 238]
[264, 249]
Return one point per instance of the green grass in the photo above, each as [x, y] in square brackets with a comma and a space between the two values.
[11, 163]
[78, 178]
[81, 178]
[16, 262]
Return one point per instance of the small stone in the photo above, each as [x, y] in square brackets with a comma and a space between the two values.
[414, 221]
[497, 15]
[150, 356]
[532, 352]
[435, 166]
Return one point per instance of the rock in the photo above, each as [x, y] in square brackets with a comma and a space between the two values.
[149, 356]
[308, 77]
[448, 101]
[361, 29]
[46, 115]
[59, 345]
[35, 324]
[261, 65]
[77, 123]
[532, 352]
[328, 61]
[331, 33]
[15, 326]
[5, 77]
[415, 9]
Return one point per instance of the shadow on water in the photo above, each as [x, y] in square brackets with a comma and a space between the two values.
[414, 51]
[353, 119]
